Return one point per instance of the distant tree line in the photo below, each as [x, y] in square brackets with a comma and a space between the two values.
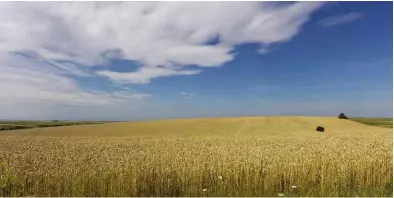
[28, 125]
[342, 116]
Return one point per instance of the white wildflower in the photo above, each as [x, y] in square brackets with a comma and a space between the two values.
[220, 177]
[204, 189]
[294, 186]
[281, 194]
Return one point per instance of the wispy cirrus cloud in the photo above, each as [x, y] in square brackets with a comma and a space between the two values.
[187, 94]
[30, 88]
[340, 19]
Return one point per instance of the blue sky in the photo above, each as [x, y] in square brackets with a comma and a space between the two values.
[304, 58]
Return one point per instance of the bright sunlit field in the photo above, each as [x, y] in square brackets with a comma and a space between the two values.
[249, 156]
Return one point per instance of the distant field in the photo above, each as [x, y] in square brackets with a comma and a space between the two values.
[13, 125]
[381, 122]
[202, 127]
[248, 156]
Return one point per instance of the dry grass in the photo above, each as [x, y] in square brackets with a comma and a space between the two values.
[235, 157]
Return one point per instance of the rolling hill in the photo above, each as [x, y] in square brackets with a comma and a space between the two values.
[234, 126]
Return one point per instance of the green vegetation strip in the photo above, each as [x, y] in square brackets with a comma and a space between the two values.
[380, 122]
[14, 125]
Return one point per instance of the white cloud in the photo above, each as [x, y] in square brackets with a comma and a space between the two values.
[340, 19]
[263, 50]
[187, 94]
[163, 36]
[29, 85]
[42, 44]
[144, 75]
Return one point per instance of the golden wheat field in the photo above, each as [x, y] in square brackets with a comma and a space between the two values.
[249, 156]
